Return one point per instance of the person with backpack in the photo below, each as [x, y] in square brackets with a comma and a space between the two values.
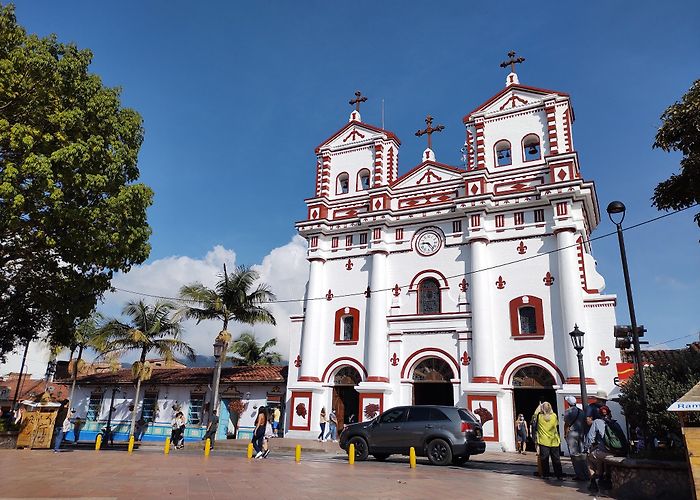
[605, 438]
[574, 430]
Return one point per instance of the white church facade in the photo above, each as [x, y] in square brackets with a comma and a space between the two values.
[451, 285]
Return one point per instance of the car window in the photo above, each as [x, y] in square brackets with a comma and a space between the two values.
[436, 414]
[394, 415]
[418, 414]
[467, 416]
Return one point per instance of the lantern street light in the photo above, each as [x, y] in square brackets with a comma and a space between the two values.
[220, 344]
[616, 208]
[577, 341]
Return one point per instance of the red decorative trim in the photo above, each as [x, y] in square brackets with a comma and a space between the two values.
[297, 361]
[430, 163]
[377, 379]
[509, 88]
[429, 273]
[522, 248]
[348, 264]
[372, 128]
[534, 356]
[329, 295]
[484, 380]
[562, 208]
[494, 400]
[308, 379]
[428, 350]
[501, 283]
[370, 395]
[548, 279]
[292, 410]
[340, 360]
[394, 360]
[339, 315]
[463, 285]
[514, 307]
[577, 381]
[582, 266]
[603, 359]
[465, 359]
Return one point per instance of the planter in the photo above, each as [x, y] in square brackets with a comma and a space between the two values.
[641, 479]
[8, 439]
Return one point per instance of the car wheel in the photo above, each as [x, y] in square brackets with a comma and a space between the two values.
[381, 456]
[439, 452]
[460, 460]
[361, 448]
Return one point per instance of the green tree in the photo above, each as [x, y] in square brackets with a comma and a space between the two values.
[151, 328]
[71, 211]
[247, 351]
[680, 131]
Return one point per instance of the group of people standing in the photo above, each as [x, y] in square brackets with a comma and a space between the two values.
[591, 436]
[332, 421]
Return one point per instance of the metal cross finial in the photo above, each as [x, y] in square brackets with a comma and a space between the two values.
[512, 61]
[357, 100]
[429, 129]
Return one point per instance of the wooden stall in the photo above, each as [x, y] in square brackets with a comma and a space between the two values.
[689, 404]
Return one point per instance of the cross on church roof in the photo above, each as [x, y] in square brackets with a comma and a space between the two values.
[512, 61]
[429, 129]
[357, 100]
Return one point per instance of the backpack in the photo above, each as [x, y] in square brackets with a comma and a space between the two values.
[615, 439]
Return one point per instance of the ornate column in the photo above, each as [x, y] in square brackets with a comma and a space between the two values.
[482, 332]
[376, 345]
[570, 297]
[311, 331]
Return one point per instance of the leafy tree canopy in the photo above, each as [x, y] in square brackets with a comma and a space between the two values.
[71, 211]
[680, 131]
[247, 351]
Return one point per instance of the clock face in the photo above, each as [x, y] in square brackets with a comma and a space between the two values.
[428, 243]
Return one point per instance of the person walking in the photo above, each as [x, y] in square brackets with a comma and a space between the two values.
[276, 414]
[269, 433]
[62, 431]
[212, 426]
[259, 432]
[574, 431]
[332, 426]
[521, 433]
[323, 424]
[177, 435]
[548, 440]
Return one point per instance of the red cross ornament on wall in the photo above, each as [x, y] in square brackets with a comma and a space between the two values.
[603, 359]
[501, 283]
[297, 362]
[466, 359]
[368, 293]
[548, 279]
[348, 265]
[394, 360]
[522, 248]
[463, 285]
[329, 295]
[396, 290]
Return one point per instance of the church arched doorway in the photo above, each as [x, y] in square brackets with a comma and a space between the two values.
[346, 400]
[532, 385]
[432, 383]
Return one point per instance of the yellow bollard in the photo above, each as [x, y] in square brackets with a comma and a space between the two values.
[131, 444]
[351, 454]
[167, 446]
[250, 451]
[207, 447]
[297, 454]
[98, 442]
[412, 458]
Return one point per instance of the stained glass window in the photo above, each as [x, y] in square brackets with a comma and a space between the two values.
[428, 297]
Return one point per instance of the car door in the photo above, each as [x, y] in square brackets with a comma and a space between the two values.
[387, 433]
[416, 427]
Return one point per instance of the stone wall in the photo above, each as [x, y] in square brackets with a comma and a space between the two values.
[649, 479]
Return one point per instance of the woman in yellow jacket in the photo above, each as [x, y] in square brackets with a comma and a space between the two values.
[548, 439]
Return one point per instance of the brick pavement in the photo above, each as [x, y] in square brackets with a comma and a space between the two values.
[84, 473]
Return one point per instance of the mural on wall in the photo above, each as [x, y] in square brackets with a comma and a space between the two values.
[300, 417]
[484, 407]
[371, 411]
[371, 406]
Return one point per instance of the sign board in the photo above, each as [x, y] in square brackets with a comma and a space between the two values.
[685, 406]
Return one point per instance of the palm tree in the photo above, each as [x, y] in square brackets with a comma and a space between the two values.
[151, 328]
[87, 334]
[247, 351]
[232, 299]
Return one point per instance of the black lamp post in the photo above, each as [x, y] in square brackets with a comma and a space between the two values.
[219, 355]
[577, 340]
[616, 208]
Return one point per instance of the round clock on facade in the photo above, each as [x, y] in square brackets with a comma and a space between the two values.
[428, 243]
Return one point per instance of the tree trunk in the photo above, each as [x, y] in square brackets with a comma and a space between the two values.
[136, 407]
[75, 374]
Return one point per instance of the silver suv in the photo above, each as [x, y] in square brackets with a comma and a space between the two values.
[445, 434]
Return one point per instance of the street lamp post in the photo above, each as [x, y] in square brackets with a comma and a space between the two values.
[577, 341]
[617, 207]
[220, 344]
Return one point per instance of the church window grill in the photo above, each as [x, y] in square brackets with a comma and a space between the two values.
[348, 327]
[531, 148]
[528, 324]
[503, 153]
[457, 226]
[94, 407]
[347, 375]
[363, 238]
[429, 296]
[343, 184]
[500, 220]
[539, 215]
[348, 240]
[334, 242]
[519, 218]
[363, 180]
[399, 234]
[433, 370]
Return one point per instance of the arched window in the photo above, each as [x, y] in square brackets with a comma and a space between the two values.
[533, 376]
[347, 328]
[363, 180]
[503, 153]
[429, 296]
[527, 320]
[347, 375]
[342, 184]
[433, 370]
[531, 148]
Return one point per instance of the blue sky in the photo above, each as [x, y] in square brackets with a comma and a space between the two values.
[236, 95]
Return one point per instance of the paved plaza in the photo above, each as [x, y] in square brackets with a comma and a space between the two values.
[228, 474]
